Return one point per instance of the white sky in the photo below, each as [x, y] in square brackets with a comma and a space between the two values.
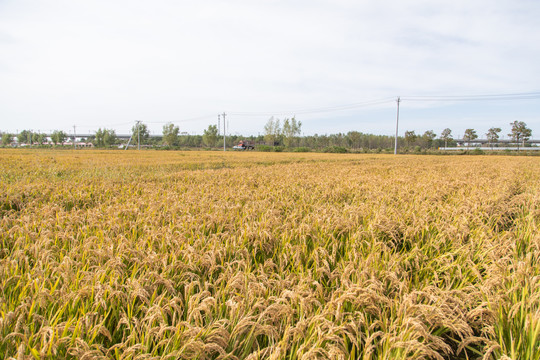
[108, 63]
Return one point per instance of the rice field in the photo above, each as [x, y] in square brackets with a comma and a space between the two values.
[208, 255]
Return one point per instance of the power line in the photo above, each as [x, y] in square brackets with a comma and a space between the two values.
[148, 122]
[483, 97]
[317, 110]
[117, 124]
[418, 98]
[531, 95]
[181, 121]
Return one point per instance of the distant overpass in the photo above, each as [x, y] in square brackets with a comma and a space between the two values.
[86, 136]
[500, 141]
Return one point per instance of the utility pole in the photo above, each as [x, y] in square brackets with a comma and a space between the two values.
[224, 132]
[138, 136]
[397, 125]
[219, 124]
[74, 137]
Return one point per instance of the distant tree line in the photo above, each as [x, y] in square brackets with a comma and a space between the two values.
[29, 137]
[278, 135]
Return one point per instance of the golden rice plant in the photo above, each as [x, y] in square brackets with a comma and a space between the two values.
[208, 255]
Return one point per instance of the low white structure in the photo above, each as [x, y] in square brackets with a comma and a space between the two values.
[533, 148]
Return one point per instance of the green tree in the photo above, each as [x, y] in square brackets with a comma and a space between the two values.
[210, 136]
[109, 137]
[446, 135]
[291, 129]
[98, 138]
[469, 135]
[272, 131]
[428, 138]
[140, 130]
[354, 138]
[410, 137]
[38, 138]
[170, 134]
[7, 139]
[493, 136]
[104, 138]
[41, 138]
[24, 137]
[520, 132]
[58, 137]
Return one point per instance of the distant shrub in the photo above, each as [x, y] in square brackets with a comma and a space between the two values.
[477, 151]
[335, 149]
[278, 148]
[264, 148]
[301, 149]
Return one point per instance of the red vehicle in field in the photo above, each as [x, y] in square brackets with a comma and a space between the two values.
[244, 145]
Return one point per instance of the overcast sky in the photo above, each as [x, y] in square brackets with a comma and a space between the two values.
[108, 63]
